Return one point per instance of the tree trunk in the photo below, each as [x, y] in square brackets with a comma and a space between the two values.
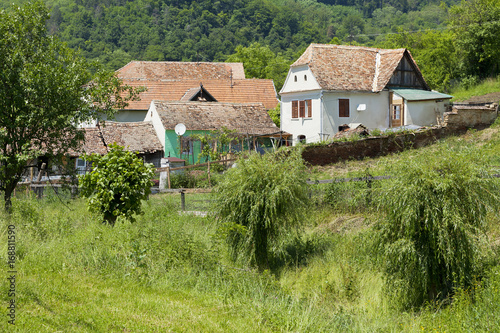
[9, 189]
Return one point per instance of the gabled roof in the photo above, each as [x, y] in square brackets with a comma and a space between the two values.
[139, 137]
[198, 94]
[226, 91]
[248, 118]
[173, 70]
[354, 68]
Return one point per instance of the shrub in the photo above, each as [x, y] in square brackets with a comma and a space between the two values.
[436, 210]
[117, 184]
[259, 200]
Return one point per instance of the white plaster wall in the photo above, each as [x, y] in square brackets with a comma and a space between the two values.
[301, 73]
[424, 113]
[153, 116]
[376, 114]
[310, 127]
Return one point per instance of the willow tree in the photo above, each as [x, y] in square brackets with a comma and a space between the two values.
[436, 211]
[260, 199]
[46, 90]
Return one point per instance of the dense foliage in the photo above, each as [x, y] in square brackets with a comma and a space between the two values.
[452, 41]
[117, 184]
[433, 240]
[44, 93]
[259, 201]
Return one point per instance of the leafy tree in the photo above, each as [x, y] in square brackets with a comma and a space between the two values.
[117, 184]
[477, 29]
[436, 213]
[260, 199]
[46, 89]
[260, 62]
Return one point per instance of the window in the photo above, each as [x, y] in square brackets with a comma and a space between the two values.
[295, 78]
[343, 108]
[295, 109]
[302, 109]
[301, 138]
[305, 77]
[309, 108]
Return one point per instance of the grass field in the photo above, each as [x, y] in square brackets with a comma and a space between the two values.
[172, 273]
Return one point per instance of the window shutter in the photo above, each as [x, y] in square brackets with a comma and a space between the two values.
[302, 111]
[309, 108]
[343, 108]
[295, 109]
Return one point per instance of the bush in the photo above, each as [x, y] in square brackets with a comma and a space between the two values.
[117, 184]
[259, 200]
[436, 210]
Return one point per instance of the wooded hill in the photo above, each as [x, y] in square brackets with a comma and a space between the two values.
[117, 31]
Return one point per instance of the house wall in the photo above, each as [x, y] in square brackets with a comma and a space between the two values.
[300, 79]
[376, 114]
[128, 116]
[172, 147]
[424, 113]
[152, 116]
[309, 127]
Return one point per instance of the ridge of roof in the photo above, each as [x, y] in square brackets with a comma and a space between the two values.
[352, 68]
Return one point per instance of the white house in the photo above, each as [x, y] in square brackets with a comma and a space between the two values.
[333, 85]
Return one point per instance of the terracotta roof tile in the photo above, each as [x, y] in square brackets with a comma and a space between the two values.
[138, 137]
[249, 118]
[354, 68]
[171, 70]
[241, 91]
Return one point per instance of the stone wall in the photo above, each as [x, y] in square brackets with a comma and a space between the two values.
[371, 147]
[456, 122]
[467, 116]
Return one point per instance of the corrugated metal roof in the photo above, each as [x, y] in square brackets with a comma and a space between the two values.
[420, 95]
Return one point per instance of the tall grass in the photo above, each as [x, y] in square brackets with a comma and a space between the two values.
[462, 93]
[172, 272]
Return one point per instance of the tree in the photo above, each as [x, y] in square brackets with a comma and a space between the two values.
[117, 184]
[436, 209]
[262, 63]
[476, 25]
[260, 199]
[46, 89]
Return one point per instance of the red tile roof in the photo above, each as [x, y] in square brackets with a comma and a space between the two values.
[170, 81]
[354, 68]
[172, 70]
[250, 118]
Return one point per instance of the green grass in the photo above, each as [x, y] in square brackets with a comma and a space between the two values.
[170, 272]
[485, 87]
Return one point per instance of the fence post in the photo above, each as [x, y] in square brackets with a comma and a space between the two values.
[168, 176]
[208, 174]
[183, 201]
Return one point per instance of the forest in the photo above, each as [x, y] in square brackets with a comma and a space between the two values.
[453, 42]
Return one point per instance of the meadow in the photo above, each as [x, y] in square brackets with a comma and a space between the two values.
[171, 272]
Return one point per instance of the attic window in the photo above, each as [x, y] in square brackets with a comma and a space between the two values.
[295, 78]
[305, 77]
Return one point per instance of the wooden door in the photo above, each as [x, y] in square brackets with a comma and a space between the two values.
[397, 115]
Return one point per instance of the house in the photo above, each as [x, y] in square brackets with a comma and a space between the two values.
[138, 137]
[192, 81]
[332, 85]
[250, 122]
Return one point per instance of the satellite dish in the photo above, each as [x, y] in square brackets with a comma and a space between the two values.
[180, 129]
